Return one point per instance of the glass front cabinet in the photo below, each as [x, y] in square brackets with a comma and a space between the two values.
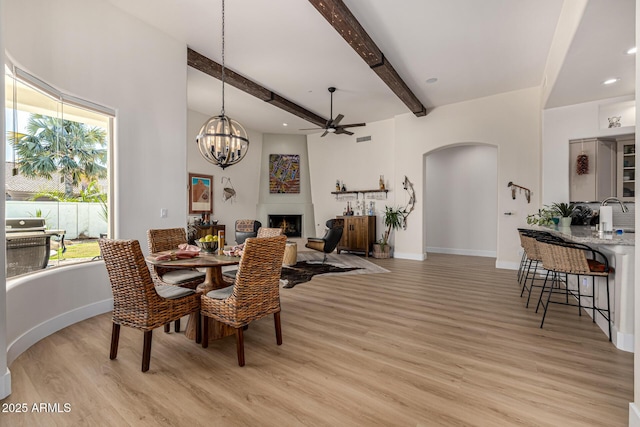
[626, 168]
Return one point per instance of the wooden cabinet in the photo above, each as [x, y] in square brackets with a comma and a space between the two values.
[627, 168]
[212, 229]
[358, 235]
[598, 181]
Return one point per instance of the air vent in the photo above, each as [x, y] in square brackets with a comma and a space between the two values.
[363, 138]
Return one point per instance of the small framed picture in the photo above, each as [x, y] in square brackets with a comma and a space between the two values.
[200, 193]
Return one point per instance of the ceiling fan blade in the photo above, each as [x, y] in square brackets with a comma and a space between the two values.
[312, 129]
[325, 132]
[342, 130]
[337, 119]
[353, 125]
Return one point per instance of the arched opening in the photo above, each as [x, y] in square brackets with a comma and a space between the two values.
[461, 200]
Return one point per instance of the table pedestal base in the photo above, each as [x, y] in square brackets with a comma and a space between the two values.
[217, 329]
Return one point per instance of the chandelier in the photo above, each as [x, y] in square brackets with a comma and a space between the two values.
[222, 140]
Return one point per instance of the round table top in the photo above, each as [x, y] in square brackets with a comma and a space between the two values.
[202, 260]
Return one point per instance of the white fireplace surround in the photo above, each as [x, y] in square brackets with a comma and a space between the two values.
[303, 209]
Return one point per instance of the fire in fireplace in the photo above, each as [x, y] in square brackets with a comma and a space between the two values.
[291, 225]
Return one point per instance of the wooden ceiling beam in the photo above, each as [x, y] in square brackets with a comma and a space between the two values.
[341, 18]
[209, 66]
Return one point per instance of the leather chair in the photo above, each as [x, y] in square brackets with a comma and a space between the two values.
[246, 228]
[330, 240]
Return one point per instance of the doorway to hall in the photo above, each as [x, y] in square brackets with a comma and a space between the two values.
[461, 200]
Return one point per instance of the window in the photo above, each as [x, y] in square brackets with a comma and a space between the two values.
[57, 174]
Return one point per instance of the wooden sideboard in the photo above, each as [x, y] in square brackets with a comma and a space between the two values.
[358, 235]
[211, 229]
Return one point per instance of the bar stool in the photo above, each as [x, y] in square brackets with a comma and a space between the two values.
[528, 239]
[571, 258]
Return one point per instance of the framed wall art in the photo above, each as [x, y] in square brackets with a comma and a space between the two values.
[284, 173]
[200, 193]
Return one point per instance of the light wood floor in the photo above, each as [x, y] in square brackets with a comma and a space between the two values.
[444, 342]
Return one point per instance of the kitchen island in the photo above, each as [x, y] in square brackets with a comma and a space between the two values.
[620, 251]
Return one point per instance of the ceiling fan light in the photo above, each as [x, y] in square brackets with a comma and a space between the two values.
[331, 130]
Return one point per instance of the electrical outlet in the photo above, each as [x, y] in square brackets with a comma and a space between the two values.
[163, 213]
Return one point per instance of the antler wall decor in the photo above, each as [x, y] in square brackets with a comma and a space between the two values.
[407, 185]
[514, 187]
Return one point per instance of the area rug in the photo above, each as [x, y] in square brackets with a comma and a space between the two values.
[310, 264]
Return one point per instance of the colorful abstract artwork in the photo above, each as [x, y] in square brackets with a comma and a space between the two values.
[284, 173]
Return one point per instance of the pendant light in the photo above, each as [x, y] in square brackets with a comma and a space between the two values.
[222, 140]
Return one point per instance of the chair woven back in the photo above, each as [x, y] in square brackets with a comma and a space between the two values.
[530, 247]
[569, 259]
[256, 292]
[165, 239]
[269, 232]
[135, 301]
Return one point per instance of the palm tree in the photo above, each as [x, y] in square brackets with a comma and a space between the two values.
[52, 145]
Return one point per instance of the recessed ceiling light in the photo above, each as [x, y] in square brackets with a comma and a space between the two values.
[632, 51]
[610, 81]
[285, 124]
[432, 80]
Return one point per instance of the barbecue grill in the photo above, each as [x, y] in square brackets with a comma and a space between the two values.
[28, 244]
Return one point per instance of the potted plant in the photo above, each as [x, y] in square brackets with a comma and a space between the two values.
[565, 212]
[393, 220]
[543, 217]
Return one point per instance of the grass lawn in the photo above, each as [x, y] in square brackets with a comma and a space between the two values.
[79, 250]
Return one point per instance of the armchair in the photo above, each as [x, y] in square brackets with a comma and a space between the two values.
[329, 241]
[246, 228]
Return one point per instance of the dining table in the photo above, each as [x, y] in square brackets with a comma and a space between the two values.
[212, 263]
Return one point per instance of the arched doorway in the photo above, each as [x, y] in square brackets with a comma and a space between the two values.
[461, 200]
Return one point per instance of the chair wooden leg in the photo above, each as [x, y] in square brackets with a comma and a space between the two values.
[146, 350]
[115, 338]
[167, 328]
[240, 346]
[198, 328]
[177, 325]
[276, 319]
[205, 331]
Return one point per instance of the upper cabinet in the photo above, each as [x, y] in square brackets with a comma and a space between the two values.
[626, 168]
[592, 169]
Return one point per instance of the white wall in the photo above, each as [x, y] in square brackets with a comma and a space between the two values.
[509, 121]
[358, 165]
[92, 50]
[461, 200]
[559, 125]
[245, 176]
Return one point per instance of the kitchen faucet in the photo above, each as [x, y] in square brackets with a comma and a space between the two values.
[614, 199]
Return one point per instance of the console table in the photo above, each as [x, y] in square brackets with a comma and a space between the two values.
[358, 234]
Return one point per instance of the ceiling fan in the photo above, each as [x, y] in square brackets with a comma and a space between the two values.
[333, 125]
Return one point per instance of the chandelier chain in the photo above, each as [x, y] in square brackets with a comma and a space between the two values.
[223, 57]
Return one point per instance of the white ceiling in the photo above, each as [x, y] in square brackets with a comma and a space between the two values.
[474, 48]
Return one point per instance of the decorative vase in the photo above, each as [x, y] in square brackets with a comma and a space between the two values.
[565, 221]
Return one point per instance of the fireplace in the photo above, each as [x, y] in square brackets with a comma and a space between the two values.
[291, 225]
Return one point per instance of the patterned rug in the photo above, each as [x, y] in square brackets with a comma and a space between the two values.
[310, 264]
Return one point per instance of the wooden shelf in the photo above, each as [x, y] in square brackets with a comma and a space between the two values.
[356, 192]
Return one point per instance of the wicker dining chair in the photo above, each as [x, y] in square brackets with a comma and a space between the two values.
[255, 294]
[269, 232]
[166, 239]
[137, 303]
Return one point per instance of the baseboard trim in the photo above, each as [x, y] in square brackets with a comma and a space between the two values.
[61, 321]
[469, 252]
[505, 265]
[634, 415]
[5, 384]
[411, 256]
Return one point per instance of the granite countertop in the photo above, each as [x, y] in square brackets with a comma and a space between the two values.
[588, 235]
